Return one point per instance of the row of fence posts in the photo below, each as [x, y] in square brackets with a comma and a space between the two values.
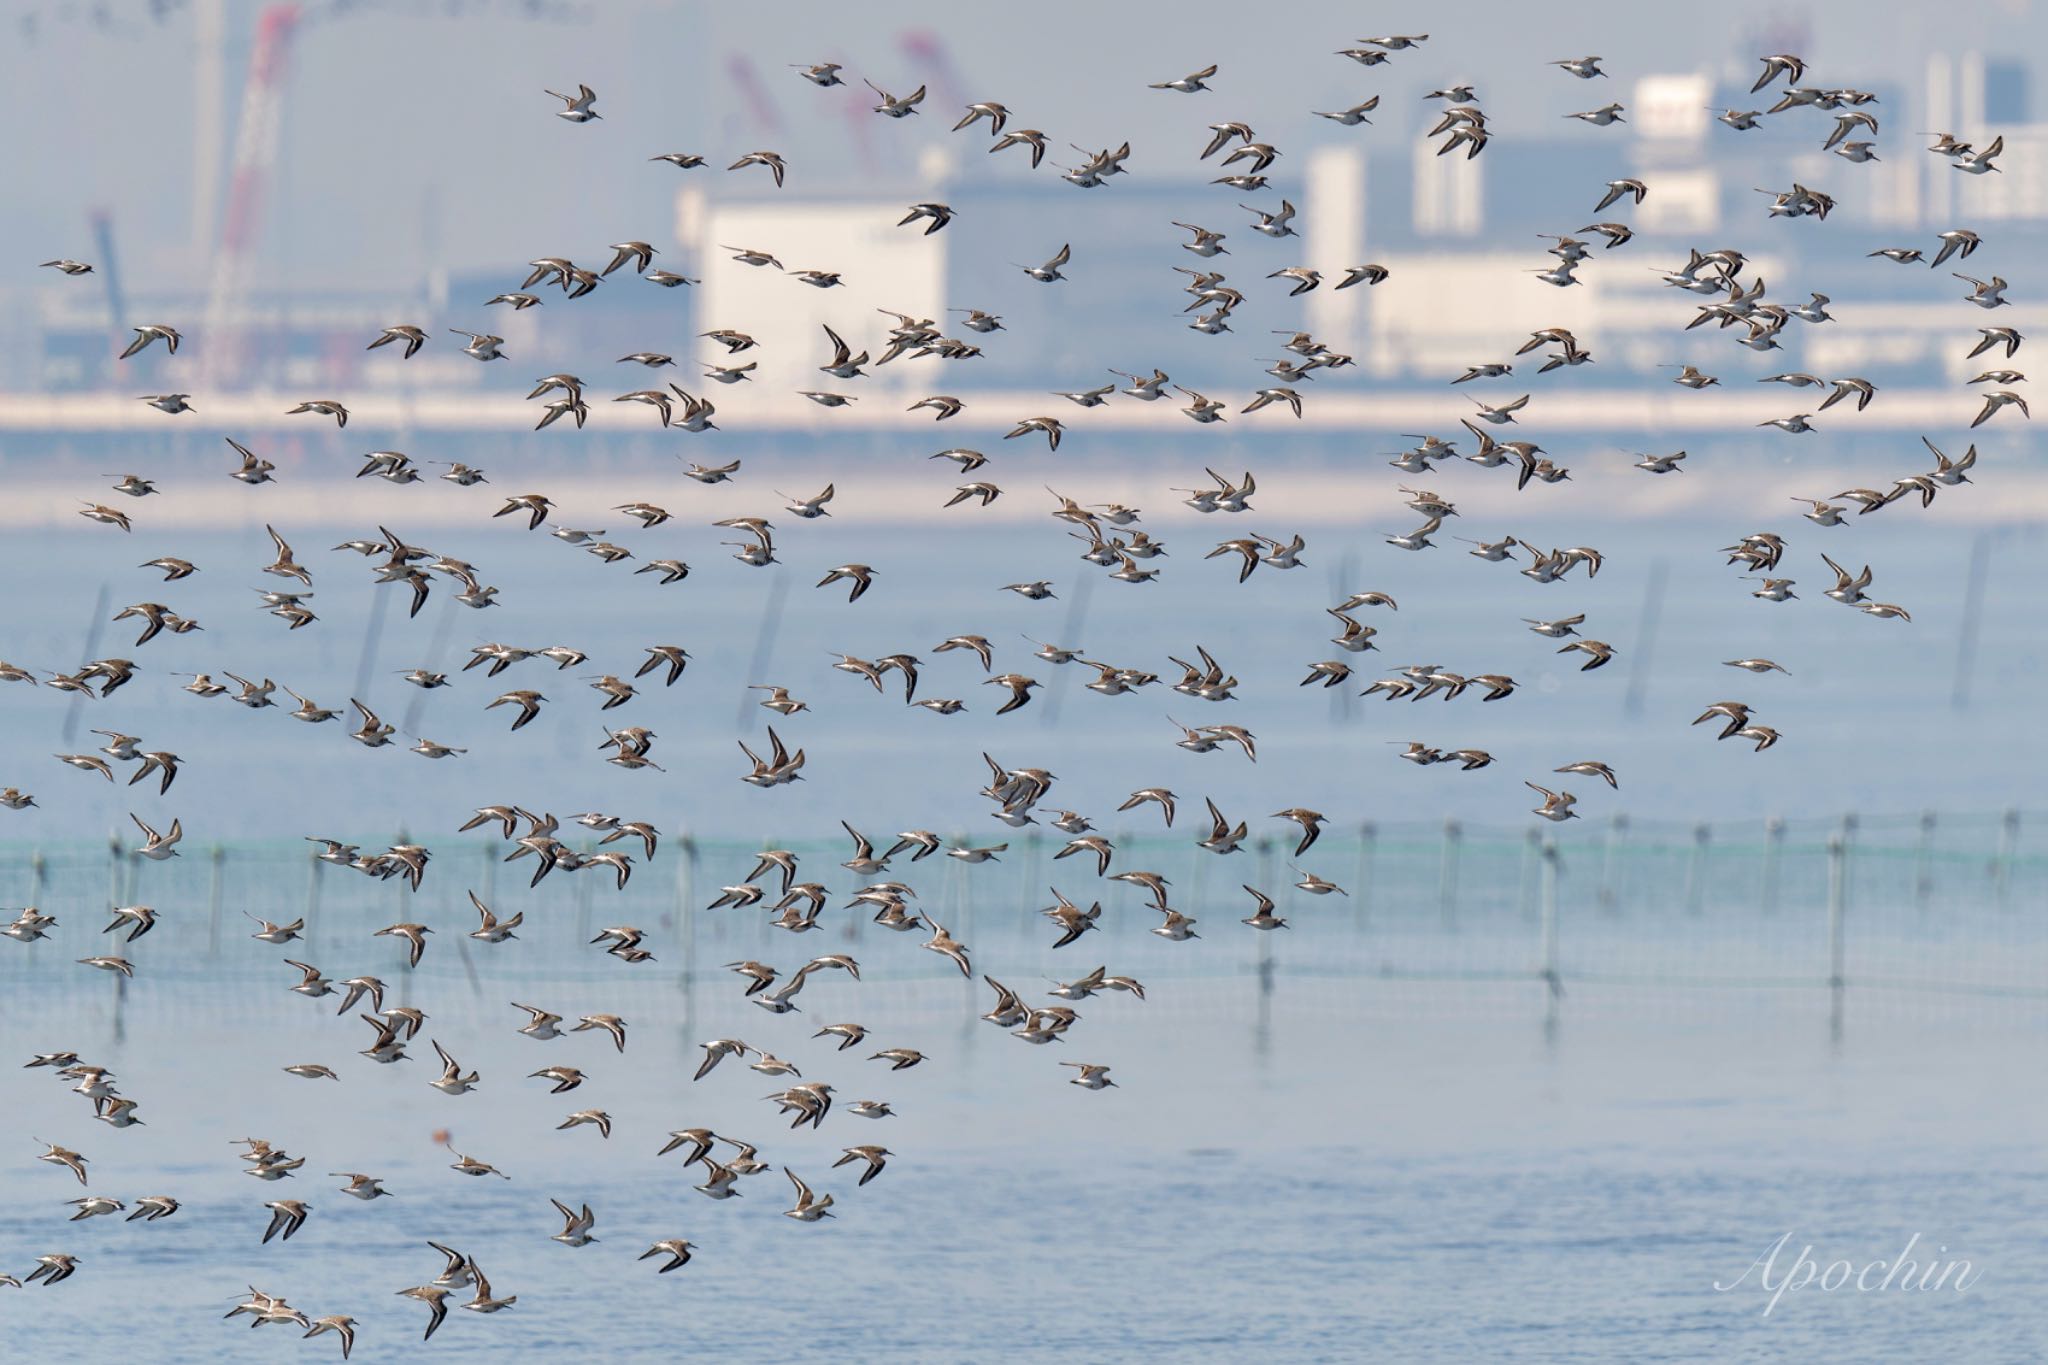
[1839, 844]
[1696, 880]
[1450, 849]
[1540, 853]
[1549, 970]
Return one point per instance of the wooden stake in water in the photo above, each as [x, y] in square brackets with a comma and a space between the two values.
[1923, 872]
[1696, 870]
[1774, 845]
[115, 859]
[1361, 890]
[1617, 835]
[215, 857]
[685, 878]
[2008, 846]
[1838, 895]
[1526, 874]
[1551, 975]
[1262, 1036]
[1447, 875]
[311, 908]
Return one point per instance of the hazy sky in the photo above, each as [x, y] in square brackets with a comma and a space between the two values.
[394, 122]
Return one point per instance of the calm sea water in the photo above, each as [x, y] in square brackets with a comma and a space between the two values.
[1356, 1168]
[1866, 713]
[1372, 1183]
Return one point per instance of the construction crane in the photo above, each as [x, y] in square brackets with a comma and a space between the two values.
[927, 52]
[248, 183]
[762, 115]
[256, 140]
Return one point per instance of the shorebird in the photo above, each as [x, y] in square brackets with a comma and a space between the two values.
[364, 1187]
[1263, 917]
[809, 1207]
[1979, 162]
[2001, 398]
[147, 335]
[340, 1324]
[1050, 271]
[287, 1216]
[328, 407]
[1603, 116]
[482, 1301]
[156, 846]
[1093, 1075]
[577, 106]
[874, 1156]
[452, 1081]
[946, 946]
[65, 1157]
[1188, 84]
[152, 1207]
[1278, 223]
[675, 1248]
[576, 1225]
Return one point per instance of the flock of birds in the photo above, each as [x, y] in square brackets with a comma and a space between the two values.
[1724, 297]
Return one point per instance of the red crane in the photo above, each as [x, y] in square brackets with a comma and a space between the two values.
[248, 185]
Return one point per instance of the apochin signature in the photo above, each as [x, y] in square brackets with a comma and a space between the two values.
[1902, 1272]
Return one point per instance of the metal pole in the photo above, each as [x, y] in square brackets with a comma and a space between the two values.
[1362, 896]
[1838, 892]
[399, 907]
[1077, 621]
[1774, 844]
[1032, 847]
[312, 902]
[2008, 848]
[421, 695]
[1447, 875]
[583, 898]
[214, 859]
[1265, 852]
[1527, 874]
[764, 642]
[1198, 874]
[1696, 870]
[1343, 701]
[92, 645]
[372, 633]
[680, 901]
[961, 912]
[114, 869]
[1849, 824]
[35, 877]
[1617, 831]
[1646, 636]
[689, 930]
[1262, 1035]
[1550, 973]
[1923, 875]
[1973, 610]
